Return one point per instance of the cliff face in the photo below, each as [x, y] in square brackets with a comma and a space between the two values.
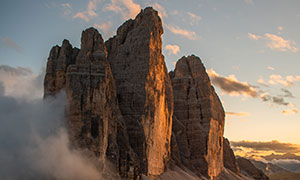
[249, 170]
[200, 118]
[229, 158]
[143, 88]
[121, 100]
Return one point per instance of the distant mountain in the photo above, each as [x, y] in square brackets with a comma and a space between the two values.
[284, 156]
[268, 168]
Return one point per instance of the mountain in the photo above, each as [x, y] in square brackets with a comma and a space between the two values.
[248, 169]
[126, 109]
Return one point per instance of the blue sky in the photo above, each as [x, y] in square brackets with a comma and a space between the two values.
[252, 45]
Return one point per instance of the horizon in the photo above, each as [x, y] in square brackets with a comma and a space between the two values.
[250, 52]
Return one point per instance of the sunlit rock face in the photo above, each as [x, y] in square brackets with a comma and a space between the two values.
[144, 89]
[199, 115]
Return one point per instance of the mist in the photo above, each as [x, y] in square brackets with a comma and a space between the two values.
[34, 142]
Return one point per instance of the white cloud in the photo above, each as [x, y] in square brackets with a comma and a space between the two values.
[253, 36]
[194, 18]
[280, 44]
[287, 81]
[172, 49]
[89, 13]
[275, 42]
[105, 27]
[128, 8]
[161, 10]
[82, 16]
[183, 32]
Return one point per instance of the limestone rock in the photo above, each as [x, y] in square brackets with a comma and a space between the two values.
[143, 88]
[200, 115]
[249, 170]
[93, 116]
[229, 158]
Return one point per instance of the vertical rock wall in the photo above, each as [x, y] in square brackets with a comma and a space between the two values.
[143, 88]
[200, 118]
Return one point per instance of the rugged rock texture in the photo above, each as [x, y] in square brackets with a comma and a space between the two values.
[94, 120]
[144, 89]
[229, 158]
[198, 118]
[249, 170]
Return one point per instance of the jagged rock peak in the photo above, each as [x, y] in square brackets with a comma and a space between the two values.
[229, 158]
[143, 88]
[91, 40]
[200, 118]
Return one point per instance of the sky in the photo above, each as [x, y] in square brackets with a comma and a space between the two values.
[250, 49]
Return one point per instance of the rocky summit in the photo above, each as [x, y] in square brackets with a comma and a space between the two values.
[124, 107]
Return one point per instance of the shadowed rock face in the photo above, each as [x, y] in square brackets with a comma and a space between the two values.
[93, 116]
[199, 115]
[143, 88]
[249, 170]
[229, 158]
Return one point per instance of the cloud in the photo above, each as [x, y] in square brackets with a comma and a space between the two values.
[288, 81]
[35, 144]
[89, 13]
[271, 68]
[172, 49]
[287, 93]
[128, 8]
[231, 85]
[161, 10]
[253, 36]
[280, 28]
[275, 42]
[239, 114]
[105, 27]
[21, 82]
[285, 156]
[280, 44]
[67, 9]
[11, 44]
[195, 19]
[275, 146]
[81, 15]
[183, 32]
[290, 111]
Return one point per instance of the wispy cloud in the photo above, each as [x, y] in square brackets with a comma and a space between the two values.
[290, 111]
[161, 10]
[194, 19]
[172, 49]
[275, 146]
[81, 15]
[11, 44]
[238, 114]
[89, 13]
[128, 8]
[253, 36]
[67, 8]
[231, 85]
[275, 42]
[105, 27]
[183, 32]
[288, 81]
[271, 68]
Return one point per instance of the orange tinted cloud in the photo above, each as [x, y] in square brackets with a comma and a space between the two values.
[183, 32]
[172, 49]
[239, 114]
